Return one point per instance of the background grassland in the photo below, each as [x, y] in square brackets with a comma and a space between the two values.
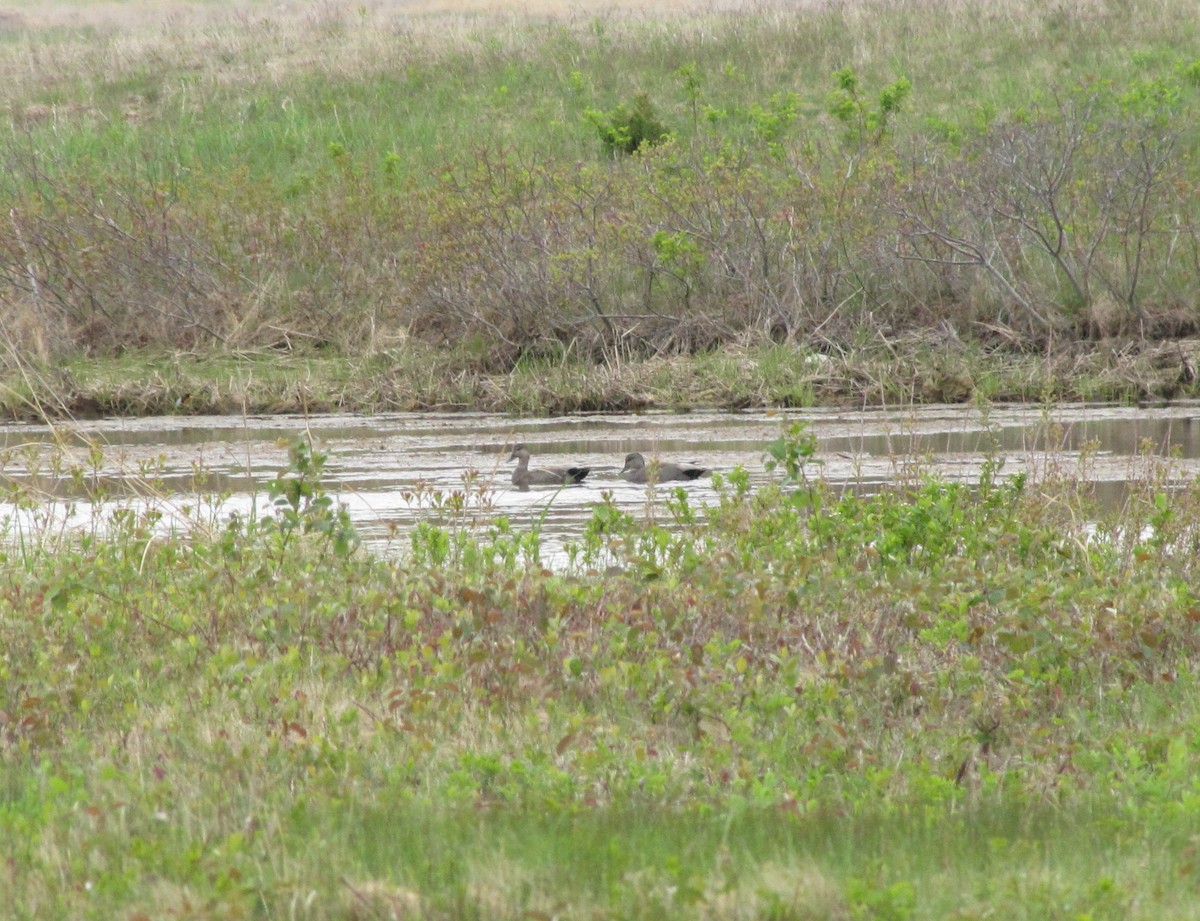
[932, 703]
[1017, 178]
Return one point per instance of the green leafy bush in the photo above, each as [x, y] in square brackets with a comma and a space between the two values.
[629, 127]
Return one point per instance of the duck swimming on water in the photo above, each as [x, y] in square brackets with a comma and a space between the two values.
[524, 477]
[636, 470]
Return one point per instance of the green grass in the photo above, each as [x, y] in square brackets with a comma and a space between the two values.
[755, 863]
[936, 702]
[373, 861]
[375, 91]
[457, 86]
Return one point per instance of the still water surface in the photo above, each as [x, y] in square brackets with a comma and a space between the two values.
[389, 469]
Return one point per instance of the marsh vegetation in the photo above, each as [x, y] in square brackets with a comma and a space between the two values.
[938, 701]
[942, 699]
[903, 197]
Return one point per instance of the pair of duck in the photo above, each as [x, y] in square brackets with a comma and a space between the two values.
[636, 470]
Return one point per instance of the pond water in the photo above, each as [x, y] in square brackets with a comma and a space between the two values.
[393, 471]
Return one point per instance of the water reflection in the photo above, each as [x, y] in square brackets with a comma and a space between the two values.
[392, 471]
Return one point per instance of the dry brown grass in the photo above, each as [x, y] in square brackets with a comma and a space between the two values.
[263, 42]
[18, 13]
[154, 13]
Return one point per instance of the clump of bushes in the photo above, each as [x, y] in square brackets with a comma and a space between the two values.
[630, 127]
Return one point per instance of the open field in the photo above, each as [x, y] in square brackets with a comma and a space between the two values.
[938, 702]
[381, 179]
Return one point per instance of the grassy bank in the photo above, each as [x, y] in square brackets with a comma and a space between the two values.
[1018, 179]
[936, 702]
[736, 377]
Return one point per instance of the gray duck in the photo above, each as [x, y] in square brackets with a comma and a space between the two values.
[637, 471]
[543, 476]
